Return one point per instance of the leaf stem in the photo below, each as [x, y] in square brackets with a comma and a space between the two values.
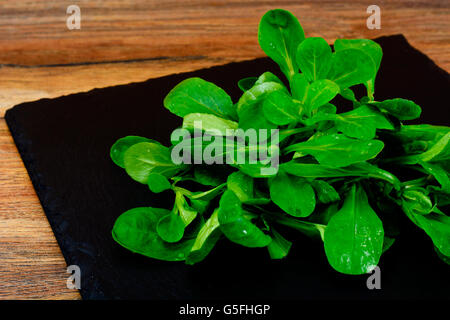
[291, 131]
[309, 228]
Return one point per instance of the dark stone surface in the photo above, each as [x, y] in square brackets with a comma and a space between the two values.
[64, 143]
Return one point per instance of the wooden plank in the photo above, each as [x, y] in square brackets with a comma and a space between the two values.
[31, 264]
[124, 41]
[40, 57]
[20, 84]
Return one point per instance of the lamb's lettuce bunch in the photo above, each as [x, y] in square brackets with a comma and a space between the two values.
[343, 177]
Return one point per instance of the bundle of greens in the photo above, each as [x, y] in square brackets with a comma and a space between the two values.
[342, 177]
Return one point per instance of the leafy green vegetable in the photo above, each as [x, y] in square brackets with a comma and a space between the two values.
[209, 176]
[279, 247]
[437, 227]
[439, 173]
[279, 108]
[268, 77]
[354, 235]
[325, 192]
[144, 158]
[294, 195]
[371, 49]
[319, 93]
[170, 228]
[337, 150]
[205, 241]
[158, 183]
[362, 122]
[417, 201]
[242, 186]
[136, 230]
[350, 67]
[236, 226]
[286, 155]
[279, 35]
[196, 95]
[314, 58]
[256, 93]
[362, 169]
[299, 86]
[247, 83]
[252, 117]
[122, 145]
[400, 108]
[209, 123]
[185, 212]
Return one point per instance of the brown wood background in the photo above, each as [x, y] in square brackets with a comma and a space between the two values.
[122, 41]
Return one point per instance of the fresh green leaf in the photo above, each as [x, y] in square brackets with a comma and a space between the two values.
[257, 170]
[324, 214]
[208, 194]
[362, 122]
[209, 123]
[252, 117]
[439, 151]
[424, 132]
[119, 148]
[256, 93]
[280, 108]
[314, 58]
[362, 169]
[170, 228]
[354, 235]
[195, 95]
[319, 93]
[279, 247]
[268, 77]
[436, 226]
[317, 156]
[210, 175]
[441, 175]
[371, 49]
[136, 230]
[293, 194]
[205, 241]
[183, 210]
[242, 186]
[402, 109]
[199, 205]
[236, 226]
[350, 67]
[337, 150]
[279, 35]
[417, 201]
[324, 191]
[299, 86]
[145, 158]
[246, 83]
[158, 183]
[348, 94]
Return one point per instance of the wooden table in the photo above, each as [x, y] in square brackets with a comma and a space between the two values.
[125, 41]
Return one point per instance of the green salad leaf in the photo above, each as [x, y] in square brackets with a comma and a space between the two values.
[288, 154]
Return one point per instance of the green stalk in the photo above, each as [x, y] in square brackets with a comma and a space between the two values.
[309, 228]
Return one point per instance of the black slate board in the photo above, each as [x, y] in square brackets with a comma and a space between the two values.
[64, 143]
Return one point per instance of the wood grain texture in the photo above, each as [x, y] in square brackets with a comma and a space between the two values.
[123, 41]
[31, 264]
[126, 41]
